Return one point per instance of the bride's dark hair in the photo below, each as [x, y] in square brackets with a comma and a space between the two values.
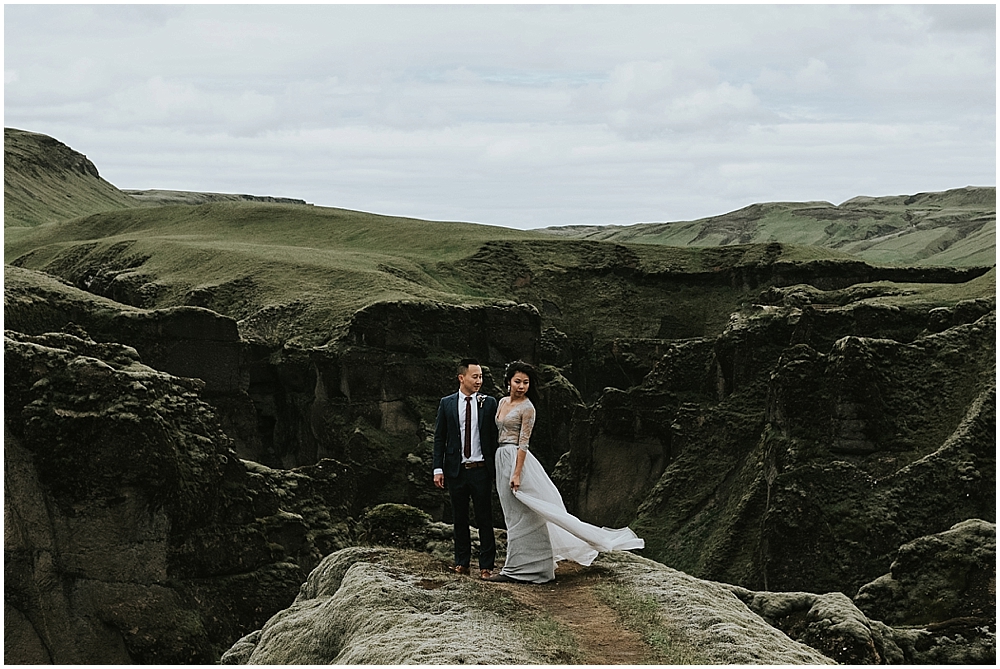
[523, 367]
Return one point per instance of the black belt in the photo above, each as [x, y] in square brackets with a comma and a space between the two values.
[473, 465]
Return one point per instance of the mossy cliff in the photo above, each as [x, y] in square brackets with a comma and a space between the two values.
[134, 533]
[801, 447]
[747, 457]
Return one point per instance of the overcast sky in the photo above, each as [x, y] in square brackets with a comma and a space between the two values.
[514, 115]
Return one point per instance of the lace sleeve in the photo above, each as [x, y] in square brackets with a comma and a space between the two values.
[527, 423]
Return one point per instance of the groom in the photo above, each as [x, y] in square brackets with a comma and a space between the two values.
[465, 442]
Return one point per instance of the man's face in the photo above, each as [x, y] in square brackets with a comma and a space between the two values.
[472, 380]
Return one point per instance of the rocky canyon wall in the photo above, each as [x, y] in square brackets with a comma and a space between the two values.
[801, 447]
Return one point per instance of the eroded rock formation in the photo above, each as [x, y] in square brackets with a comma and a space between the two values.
[937, 606]
[777, 455]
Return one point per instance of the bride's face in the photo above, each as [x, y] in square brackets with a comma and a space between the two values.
[519, 385]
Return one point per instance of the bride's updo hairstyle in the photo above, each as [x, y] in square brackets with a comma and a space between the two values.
[523, 367]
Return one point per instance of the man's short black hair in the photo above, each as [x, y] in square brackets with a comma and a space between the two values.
[463, 366]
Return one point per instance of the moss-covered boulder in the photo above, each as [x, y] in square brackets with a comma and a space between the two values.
[395, 525]
[938, 578]
[941, 589]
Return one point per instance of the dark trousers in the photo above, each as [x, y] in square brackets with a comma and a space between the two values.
[474, 484]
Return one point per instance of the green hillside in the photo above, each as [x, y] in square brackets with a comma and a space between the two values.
[44, 180]
[325, 263]
[295, 272]
[952, 228]
[298, 273]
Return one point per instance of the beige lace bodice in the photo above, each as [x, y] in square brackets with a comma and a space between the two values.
[515, 428]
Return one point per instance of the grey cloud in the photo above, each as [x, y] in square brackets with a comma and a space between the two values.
[644, 99]
[962, 18]
[514, 114]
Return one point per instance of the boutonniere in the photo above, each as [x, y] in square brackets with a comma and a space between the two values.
[480, 399]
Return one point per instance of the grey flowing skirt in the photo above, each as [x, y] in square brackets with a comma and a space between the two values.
[540, 531]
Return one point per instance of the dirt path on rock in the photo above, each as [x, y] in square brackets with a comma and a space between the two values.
[572, 602]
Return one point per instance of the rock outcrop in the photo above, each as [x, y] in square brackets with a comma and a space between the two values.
[381, 606]
[830, 623]
[391, 606]
[938, 577]
[183, 341]
[385, 606]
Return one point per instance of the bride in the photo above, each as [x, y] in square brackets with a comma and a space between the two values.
[540, 531]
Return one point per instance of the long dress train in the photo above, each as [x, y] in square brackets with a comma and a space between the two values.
[540, 531]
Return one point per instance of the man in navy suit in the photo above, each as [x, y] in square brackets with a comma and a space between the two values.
[465, 442]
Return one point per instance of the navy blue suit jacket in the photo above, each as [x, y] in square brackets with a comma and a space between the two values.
[448, 435]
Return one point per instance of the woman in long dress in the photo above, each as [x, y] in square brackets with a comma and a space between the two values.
[540, 531]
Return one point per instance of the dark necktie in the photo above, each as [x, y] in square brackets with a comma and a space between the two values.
[468, 428]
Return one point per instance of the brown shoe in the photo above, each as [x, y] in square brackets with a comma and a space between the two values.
[485, 574]
[461, 569]
[503, 578]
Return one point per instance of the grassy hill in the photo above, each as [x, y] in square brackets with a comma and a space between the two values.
[323, 264]
[44, 180]
[159, 198]
[954, 228]
[295, 272]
